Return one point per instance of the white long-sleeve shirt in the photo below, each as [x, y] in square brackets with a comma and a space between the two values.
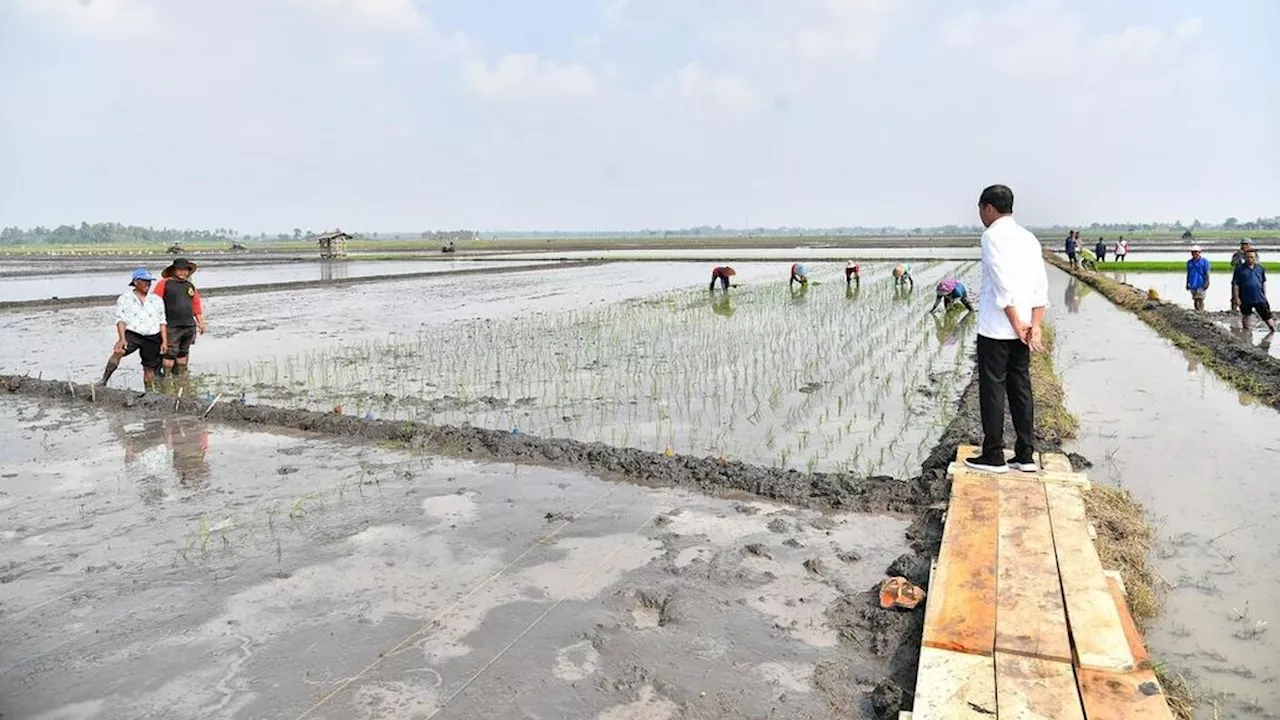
[1012, 274]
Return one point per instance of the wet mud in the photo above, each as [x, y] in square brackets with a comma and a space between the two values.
[1250, 368]
[705, 474]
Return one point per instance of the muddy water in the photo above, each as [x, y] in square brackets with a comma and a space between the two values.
[66, 285]
[168, 568]
[276, 324]
[1205, 461]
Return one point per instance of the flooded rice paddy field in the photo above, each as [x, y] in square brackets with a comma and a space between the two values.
[1171, 287]
[44, 284]
[1204, 460]
[828, 377]
[170, 568]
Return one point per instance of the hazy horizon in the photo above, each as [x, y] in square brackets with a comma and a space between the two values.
[594, 115]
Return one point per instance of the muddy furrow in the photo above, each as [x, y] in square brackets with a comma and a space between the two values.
[1248, 368]
[709, 475]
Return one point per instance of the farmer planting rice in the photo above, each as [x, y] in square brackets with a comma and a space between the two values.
[949, 291]
[853, 272]
[1088, 259]
[1015, 293]
[183, 313]
[799, 274]
[721, 273]
[140, 328]
[902, 275]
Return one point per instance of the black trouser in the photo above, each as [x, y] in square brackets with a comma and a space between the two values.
[1004, 368]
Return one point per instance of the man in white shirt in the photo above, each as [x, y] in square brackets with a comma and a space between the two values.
[1015, 293]
[140, 327]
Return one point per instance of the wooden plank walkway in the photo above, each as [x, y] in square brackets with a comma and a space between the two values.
[1021, 620]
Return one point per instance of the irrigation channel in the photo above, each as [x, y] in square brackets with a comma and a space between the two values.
[1203, 459]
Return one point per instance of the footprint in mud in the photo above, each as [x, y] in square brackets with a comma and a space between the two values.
[576, 662]
[649, 706]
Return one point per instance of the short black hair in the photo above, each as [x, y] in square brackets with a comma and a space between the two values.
[999, 197]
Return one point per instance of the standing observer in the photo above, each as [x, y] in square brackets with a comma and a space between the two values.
[1015, 293]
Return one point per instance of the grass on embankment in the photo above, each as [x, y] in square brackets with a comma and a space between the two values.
[1124, 536]
[1174, 266]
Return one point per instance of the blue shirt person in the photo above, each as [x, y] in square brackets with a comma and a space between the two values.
[1249, 284]
[1197, 277]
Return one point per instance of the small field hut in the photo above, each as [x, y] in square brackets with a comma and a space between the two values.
[333, 244]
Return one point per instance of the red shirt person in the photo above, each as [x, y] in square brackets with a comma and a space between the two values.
[721, 273]
[183, 312]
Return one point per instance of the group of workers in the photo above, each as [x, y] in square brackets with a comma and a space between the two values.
[947, 291]
[1248, 284]
[1079, 255]
[158, 318]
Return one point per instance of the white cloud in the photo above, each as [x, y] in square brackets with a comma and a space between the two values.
[385, 14]
[100, 17]
[717, 91]
[1134, 42]
[526, 76]
[1188, 29]
[845, 27]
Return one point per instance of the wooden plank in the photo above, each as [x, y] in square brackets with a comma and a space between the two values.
[1030, 617]
[954, 686]
[1059, 472]
[1134, 695]
[1115, 586]
[1034, 689]
[904, 715]
[1093, 620]
[1055, 462]
[960, 612]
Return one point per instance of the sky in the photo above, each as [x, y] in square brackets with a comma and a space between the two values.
[392, 115]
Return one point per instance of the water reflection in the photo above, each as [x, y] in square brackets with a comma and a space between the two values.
[902, 293]
[801, 293]
[1072, 295]
[1193, 361]
[950, 326]
[333, 270]
[853, 291]
[722, 305]
[161, 454]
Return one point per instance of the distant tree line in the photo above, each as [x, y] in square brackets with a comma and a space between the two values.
[449, 235]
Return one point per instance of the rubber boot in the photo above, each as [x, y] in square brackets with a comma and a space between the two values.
[107, 372]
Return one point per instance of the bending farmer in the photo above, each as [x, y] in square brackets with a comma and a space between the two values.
[140, 328]
[182, 312]
[799, 274]
[950, 291]
[721, 273]
[852, 273]
[902, 275]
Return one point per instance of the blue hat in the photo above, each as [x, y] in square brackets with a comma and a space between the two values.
[141, 274]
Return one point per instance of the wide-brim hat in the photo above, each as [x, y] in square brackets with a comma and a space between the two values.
[179, 264]
[1196, 249]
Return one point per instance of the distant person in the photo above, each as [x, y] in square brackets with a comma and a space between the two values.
[1101, 250]
[1088, 259]
[183, 313]
[799, 274]
[1015, 293]
[1122, 249]
[1237, 259]
[1197, 277]
[902, 275]
[722, 273]
[951, 291]
[852, 273]
[140, 328]
[1250, 283]
[1073, 245]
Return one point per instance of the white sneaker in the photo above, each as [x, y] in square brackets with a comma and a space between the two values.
[1026, 467]
[982, 465]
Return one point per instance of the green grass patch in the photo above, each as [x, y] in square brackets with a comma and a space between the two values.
[1173, 266]
[1053, 420]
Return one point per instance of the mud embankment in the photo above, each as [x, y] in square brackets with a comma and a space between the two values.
[92, 300]
[1248, 368]
[893, 635]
